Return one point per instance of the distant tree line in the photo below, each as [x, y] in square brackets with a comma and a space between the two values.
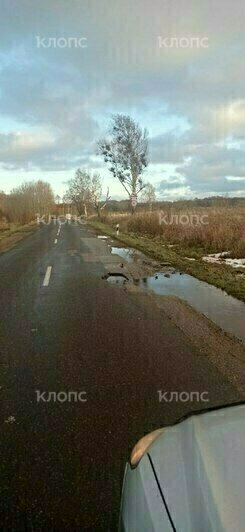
[26, 201]
[124, 149]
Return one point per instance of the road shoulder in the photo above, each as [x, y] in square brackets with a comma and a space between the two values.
[225, 352]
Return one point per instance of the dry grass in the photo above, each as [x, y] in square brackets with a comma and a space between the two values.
[223, 276]
[11, 234]
[197, 230]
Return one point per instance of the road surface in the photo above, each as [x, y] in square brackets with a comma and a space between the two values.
[65, 330]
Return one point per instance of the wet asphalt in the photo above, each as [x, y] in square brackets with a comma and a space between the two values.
[81, 365]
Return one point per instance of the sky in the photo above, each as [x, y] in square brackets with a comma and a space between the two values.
[175, 66]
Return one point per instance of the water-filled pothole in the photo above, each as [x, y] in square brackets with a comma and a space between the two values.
[117, 278]
[129, 254]
[217, 305]
[224, 310]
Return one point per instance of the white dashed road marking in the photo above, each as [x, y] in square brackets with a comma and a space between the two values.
[56, 241]
[47, 276]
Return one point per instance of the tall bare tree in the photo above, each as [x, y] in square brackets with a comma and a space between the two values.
[86, 189]
[96, 193]
[126, 152]
[78, 191]
[149, 195]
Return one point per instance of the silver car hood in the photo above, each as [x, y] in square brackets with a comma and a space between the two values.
[200, 467]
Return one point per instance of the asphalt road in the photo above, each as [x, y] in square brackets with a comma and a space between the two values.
[62, 461]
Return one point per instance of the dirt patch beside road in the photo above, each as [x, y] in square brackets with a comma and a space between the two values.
[223, 350]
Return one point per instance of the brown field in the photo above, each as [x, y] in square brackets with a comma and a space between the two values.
[198, 230]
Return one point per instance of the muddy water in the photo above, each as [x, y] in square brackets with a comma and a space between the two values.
[224, 310]
[128, 254]
[116, 279]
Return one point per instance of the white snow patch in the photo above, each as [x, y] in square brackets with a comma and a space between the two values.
[223, 258]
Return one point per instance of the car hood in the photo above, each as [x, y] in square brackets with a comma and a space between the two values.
[200, 467]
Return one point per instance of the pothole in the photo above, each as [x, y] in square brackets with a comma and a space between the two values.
[116, 278]
[131, 255]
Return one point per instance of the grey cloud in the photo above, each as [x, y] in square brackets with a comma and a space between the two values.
[209, 169]
[64, 90]
[165, 185]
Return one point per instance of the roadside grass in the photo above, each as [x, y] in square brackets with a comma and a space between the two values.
[199, 229]
[10, 234]
[232, 280]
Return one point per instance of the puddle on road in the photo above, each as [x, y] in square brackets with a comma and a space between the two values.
[131, 255]
[223, 309]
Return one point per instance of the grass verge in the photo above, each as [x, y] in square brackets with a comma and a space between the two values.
[11, 236]
[220, 275]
